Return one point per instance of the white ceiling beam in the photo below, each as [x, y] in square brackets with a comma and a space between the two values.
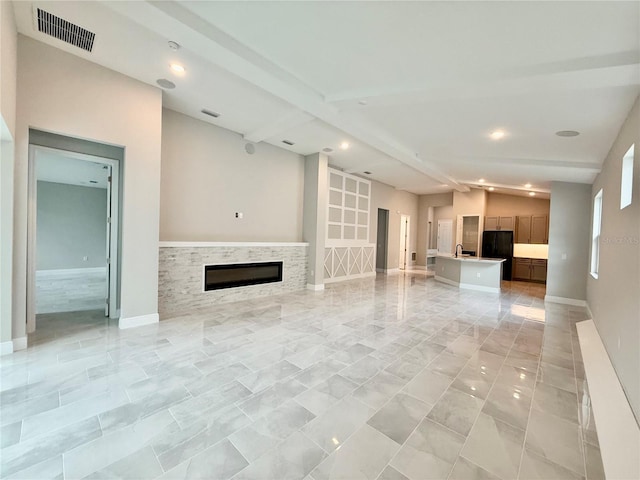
[530, 162]
[603, 77]
[278, 126]
[215, 46]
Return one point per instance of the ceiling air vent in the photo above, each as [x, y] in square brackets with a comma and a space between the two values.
[288, 142]
[65, 31]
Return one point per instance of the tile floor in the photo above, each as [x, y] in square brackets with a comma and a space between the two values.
[392, 378]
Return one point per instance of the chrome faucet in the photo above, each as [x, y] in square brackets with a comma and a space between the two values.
[461, 248]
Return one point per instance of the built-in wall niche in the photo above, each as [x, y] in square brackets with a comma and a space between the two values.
[348, 208]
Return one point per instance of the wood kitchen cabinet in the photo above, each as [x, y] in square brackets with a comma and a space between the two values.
[532, 229]
[530, 269]
[499, 223]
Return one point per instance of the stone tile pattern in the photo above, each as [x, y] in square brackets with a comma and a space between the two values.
[70, 290]
[397, 377]
[180, 274]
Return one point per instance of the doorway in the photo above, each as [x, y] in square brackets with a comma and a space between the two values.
[382, 240]
[443, 243]
[73, 234]
[404, 241]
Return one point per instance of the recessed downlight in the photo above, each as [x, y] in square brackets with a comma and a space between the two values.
[327, 150]
[491, 189]
[527, 185]
[497, 134]
[567, 133]
[362, 102]
[164, 83]
[344, 145]
[482, 180]
[532, 194]
[177, 68]
[366, 172]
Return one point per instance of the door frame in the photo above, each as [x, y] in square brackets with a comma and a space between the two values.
[406, 240]
[113, 230]
[382, 240]
[450, 223]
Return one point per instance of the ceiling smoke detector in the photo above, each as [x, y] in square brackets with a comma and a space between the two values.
[164, 83]
[174, 45]
[567, 133]
[327, 150]
[250, 148]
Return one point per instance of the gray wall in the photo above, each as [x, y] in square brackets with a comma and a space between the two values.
[569, 234]
[71, 224]
[614, 297]
[207, 177]
[398, 203]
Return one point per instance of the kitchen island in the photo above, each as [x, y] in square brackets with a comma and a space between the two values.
[473, 273]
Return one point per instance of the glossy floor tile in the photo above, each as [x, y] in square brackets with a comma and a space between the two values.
[393, 378]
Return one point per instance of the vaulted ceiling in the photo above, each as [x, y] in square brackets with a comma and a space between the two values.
[415, 88]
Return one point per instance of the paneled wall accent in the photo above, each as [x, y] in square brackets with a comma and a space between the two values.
[342, 263]
[347, 209]
[181, 272]
[348, 253]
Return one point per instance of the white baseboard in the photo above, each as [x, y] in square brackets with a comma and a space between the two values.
[350, 277]
[138, 321]
[19, 343]
[70, 271]
[315, 288]
[391, 271]
[618, 432]
[565, 301]
[418, 267]
[6, 348]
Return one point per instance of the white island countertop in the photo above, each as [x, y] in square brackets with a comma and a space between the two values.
[473, 259]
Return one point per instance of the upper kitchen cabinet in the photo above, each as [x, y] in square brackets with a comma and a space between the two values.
[499, 223]
[532, 229]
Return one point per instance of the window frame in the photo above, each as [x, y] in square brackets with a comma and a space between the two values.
[596, 229]
[626, 180]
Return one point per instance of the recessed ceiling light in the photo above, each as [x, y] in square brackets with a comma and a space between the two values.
[327, 149]
[367, 172]
[444, 185]
[482, 180]
[497, 135]
[288, 142]
[164, 83]
[92, 181]
[177, 68]
[344, 145]
[527, 185]
[532, 194]
[567, 133]
[362, 102]
[491, 189]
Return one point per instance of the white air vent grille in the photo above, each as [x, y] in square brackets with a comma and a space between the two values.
[66, 31]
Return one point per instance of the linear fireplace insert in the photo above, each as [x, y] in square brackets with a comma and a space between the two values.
[217, 277]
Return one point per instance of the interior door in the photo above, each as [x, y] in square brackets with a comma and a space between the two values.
[108, 242]
[404, 235]
[445, 228]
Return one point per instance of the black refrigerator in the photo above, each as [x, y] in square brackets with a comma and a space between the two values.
[499, 244]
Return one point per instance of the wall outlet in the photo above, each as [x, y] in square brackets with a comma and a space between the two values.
[564, 256]
[618, 342]
[478, 274]
[85, 258]
[442, 268]
[239, 215]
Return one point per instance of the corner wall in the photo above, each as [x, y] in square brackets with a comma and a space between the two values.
[61, 93]
[614, 297]
[8, 85]
[569, 238]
